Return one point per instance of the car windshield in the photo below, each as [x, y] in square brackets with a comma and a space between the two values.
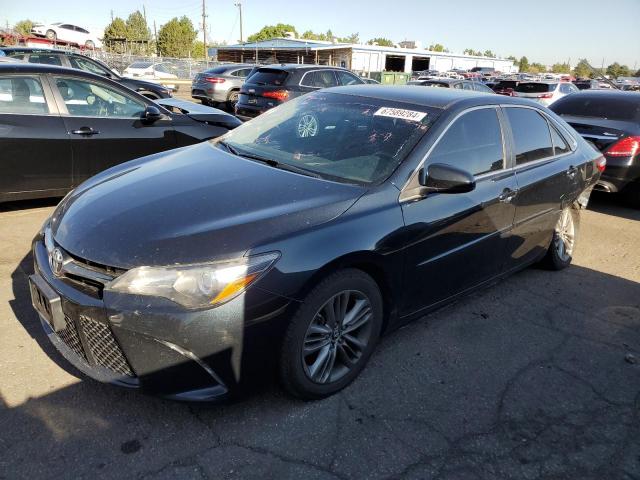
[338, 137]
[536, 87]
[585, 105]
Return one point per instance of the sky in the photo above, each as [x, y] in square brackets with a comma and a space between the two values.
[546, 31]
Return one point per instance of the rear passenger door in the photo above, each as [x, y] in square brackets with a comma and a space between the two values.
[457, 241]
[35, 150]
[545, 179]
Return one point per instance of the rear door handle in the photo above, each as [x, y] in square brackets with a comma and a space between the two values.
[88, 131]
[507, 195]
[572, 171]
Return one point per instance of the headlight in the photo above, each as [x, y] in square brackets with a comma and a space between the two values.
[195, 286]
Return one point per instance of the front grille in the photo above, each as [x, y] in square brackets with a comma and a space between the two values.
[104, 348]
[71, 339]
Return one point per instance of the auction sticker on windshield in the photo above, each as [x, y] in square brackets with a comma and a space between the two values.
[410, 115]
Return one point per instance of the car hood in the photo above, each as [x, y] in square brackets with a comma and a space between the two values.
[199, 112]
[191, 205]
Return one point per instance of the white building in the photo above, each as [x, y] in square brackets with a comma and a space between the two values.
[360, 58]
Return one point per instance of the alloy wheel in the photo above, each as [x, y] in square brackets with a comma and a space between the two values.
[564, 238]
[337, 337]
[307, 126]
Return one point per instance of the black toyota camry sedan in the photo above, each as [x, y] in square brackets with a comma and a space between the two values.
[303, 235]
[60, 126]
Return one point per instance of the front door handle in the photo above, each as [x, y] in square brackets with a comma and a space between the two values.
[507, 195]
[88, 131]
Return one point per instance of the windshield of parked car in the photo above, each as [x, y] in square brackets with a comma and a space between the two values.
[608, 107]
[339, 137]
[536, 87]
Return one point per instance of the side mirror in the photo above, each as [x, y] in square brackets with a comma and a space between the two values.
[151, 114]
[443, 178]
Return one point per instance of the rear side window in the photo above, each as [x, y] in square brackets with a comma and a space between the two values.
[559, 144]
[473, 142]
[530, 134]
[535, 87]
[22, 95]
[346, 78]
[45, 59]
[625, 107]
[87, 65]
[266, 76]
[319, 79]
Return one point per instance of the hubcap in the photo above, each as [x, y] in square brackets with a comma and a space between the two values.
[565, 235]
[337, 337]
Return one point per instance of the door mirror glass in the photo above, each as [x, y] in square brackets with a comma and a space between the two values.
[151, 114]
[443, 178]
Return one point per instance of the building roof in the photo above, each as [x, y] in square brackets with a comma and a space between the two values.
[280, 44]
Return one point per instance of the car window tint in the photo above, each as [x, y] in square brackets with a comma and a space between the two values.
[88, 99]
[611, 107]
[346, 78]
[459, 86]
[319, 79]
[473, 142]
[467, 86]
[45, 59]
[22, 95]
[86, 65]
[559, 144]
[530, 134]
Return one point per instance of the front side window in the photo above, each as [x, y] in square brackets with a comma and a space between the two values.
[530, 134]
[559, 144]
[22, 95]
[319, 79]
[346, 78]
[473, 143]
[85, 98]
[338, 137]
[87, 65]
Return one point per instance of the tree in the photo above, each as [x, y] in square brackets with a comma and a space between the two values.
[437, 48]
[197, 49]
[582, 69]
[536, 67]
[472, 52]
[489, 53]
[514, 60]
[353, 38]
[616, 70]
[561, 68]
[309, 35]
[524, 64]
[23, 27]
[175, 38]
[380, 41]
[273, 31]
[114, 35]
[138, 32]
[637, 74]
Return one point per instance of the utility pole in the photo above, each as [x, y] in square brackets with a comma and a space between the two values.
[112, 14]
[155, 36]
[204, 32]
[144, 12]
[239, 5]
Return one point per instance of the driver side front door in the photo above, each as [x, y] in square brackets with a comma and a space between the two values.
[104, 124]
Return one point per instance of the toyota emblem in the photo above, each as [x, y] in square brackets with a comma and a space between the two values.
[56, 261]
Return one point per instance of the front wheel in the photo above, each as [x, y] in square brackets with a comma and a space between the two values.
[332, 335]
[563, 244]
[51, 35]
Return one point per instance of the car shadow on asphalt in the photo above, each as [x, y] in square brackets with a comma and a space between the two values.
[613, 204]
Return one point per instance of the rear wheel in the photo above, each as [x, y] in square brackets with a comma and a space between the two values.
[560, 253]
[332, 335]
[232, 99]
[51, 35]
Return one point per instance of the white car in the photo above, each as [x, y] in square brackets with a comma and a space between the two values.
[151, 71]
[544, 92]
[66, 32]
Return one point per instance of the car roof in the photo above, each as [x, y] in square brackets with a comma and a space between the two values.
[36, 68]
[609, 93]
[36, 50]
[443, 98]
[297, 66]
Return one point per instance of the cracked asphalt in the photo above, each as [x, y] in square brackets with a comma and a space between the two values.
[535, 377]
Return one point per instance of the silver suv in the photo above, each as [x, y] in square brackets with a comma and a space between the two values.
[220, 84]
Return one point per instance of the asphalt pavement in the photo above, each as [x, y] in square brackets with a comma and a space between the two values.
[535, 377]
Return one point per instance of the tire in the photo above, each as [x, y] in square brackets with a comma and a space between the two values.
[631, 194]
[232, 99]
[90, 44]
[303, 375]
[563, 244]
[51, 35]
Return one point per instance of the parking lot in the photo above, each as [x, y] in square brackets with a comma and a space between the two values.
[536, 377]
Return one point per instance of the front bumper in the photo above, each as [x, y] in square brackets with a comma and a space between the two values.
[154, 344]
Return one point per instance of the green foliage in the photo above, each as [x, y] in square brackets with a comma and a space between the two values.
[115, 31]
[380, 41]
[176, 37]
[437, 47]
[23, 27]
[138, 31]
[616, 70]
[524, 64]
[197, 49]
[537, 68]
[272, 31]
[515, 61]
[471, 51]
[330, 37]
[582, 69]
[561, 68]
[489, 53]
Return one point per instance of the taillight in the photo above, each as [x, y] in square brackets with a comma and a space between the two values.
[601, 164]
[627, 147]
[214, 79]
[546, 95]
[280, 95]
